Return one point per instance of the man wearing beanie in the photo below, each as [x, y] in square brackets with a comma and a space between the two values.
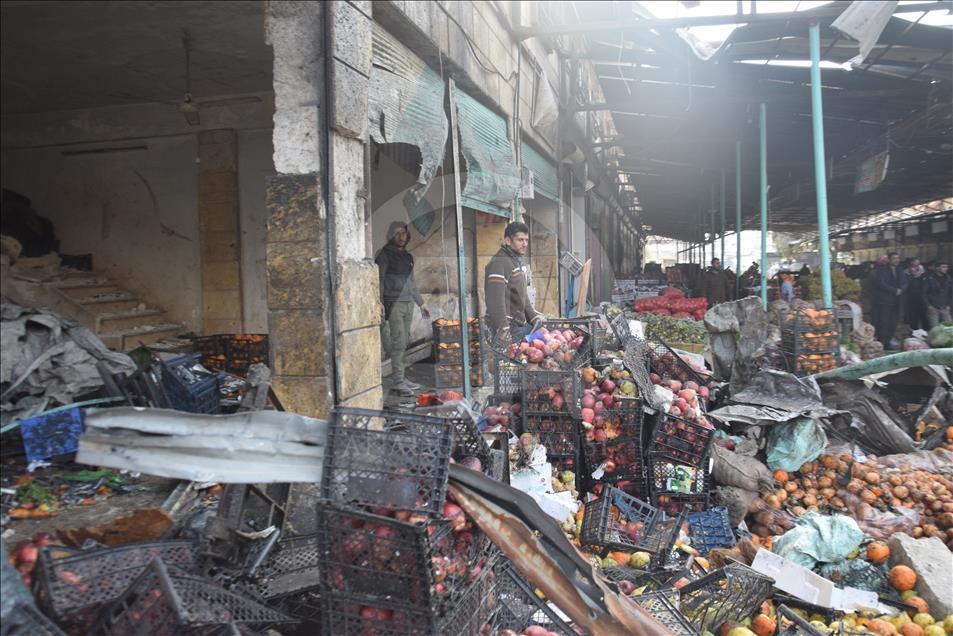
[399, 295]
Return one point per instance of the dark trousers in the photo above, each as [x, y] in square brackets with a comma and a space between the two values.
[887, 316]
[917, 314]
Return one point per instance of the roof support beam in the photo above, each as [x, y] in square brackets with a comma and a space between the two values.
[742, 18]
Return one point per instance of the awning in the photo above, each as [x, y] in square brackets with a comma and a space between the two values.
[492, 178]
[545, 177]
[406, 105]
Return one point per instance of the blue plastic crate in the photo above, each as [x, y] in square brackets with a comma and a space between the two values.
[710, 529]
[52, 434]
[189, 391]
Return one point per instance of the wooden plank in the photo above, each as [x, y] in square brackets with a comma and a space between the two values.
[583, 288]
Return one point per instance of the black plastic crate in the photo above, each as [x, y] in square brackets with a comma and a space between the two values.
[25, 620]
[620, 327]
[710, 529]
[165, 601]
[667, 364]
[680, 440]
[625, 453]
[188, 389]
[581, 328]
[420, 565]
[672, 478]
[606, 523]
[520, 607]
[468, 441]
[73, 585]
[675, 504]
[292, 567]
[450, 376]
[536, 388]
[558, 433]
[452, 352]
[449, 330]
[639, 578]
[232, 353]
[355, 615]
[636, 486]
[389, 459]
[730, 593]
[663, 610]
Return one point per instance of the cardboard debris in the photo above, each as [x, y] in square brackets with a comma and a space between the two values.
[806, 585]
[145, 524]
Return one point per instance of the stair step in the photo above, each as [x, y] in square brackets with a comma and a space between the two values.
[92, 291]
[75, 282]
[127, 339]
[108, 297]
[112, 307]
[122, 320]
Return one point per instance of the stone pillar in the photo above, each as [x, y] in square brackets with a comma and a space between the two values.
[219, 233]
[297, 267]
[357, 295]
[300, 316]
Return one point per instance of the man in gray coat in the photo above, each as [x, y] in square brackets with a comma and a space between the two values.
[399, 294]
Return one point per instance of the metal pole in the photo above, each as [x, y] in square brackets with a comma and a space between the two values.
[820, 181]
[764, 206]
[464, 313]
[737, 219]
[722, 232]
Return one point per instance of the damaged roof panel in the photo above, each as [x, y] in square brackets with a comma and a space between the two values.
[252, 447]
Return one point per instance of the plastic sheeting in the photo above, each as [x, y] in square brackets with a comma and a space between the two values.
[793, 444]
[874, 425]
[405, 103]
[736, 329]
[824, 538]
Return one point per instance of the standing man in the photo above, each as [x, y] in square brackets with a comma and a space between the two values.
[507, 304]
[938, 294]
[399, 295]
[916, 306]
[715, 285]
[890, 281]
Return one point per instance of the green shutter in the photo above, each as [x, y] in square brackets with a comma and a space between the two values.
[492, 179]
[406, 105]
[545, 178]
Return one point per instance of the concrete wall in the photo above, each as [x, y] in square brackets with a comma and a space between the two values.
[136, 211]
[254, 167]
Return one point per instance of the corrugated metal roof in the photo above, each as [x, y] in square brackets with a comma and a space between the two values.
[545, 177]
[406, 104]
[492, 178]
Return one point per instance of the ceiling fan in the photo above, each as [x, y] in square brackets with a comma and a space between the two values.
[189, 106]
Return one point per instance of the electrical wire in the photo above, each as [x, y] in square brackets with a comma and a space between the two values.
[473, 49]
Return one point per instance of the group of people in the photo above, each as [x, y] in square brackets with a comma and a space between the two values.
[922, 293]
[509, 310]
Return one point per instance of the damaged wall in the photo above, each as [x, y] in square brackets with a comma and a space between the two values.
[136, 211]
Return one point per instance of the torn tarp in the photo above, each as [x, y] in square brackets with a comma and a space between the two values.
[874, 426]
[48, 360]
[735, 330]
[251, 447]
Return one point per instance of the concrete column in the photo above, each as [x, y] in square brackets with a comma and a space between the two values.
[357, 294]
[307, 227]
[219, 232]
[296, 250]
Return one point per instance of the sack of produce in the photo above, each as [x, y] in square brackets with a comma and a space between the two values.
[731, 469]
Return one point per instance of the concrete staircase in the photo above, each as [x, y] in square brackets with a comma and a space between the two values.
[119, 317]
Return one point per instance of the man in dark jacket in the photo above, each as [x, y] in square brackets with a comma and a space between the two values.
[715, 285]
[399, 295]
[938, 295]
[504, 284]
[890, 281]
[915, 306]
